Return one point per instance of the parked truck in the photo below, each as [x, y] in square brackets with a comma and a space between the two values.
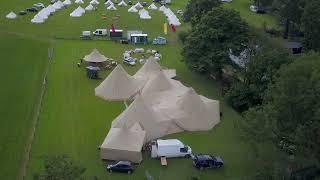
[100, 32]
[169, 148]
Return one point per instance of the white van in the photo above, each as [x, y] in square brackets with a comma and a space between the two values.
[169, 148]
[100, 32]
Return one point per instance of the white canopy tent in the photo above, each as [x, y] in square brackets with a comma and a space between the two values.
[162, 8]
[50, 9]
[37, 20]
[153, 7]
[11, 15]
[108, 3]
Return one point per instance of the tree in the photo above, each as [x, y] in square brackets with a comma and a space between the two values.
[197, 8]
[291, 109]
[259, 72]
[290, 12]
[207, 46]
[311, 25]
[58, 168]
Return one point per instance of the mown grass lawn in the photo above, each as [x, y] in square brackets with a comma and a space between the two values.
[74, 122]
[22, 68]
[253, 19]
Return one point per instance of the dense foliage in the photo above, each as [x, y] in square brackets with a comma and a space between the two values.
[291, 109]
[207, 46]
[58, 168]
[259, 72]
[197, 8]
[311, 25]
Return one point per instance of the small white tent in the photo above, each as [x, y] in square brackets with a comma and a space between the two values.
[94, 2]
[89, 7]
[108, 3]
[153, 7]
[162, 8]
[11, 15]
[37, 20]
[133, 9]
[51, 9]
[79, 2]
[67, 2]
[138, 5]
[111, 7]
[77, 12]
[122, 3]
[56, 6]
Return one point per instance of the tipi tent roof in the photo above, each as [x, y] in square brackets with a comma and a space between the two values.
[95, 56]
[119, 85]
[139, 112]
[79, 2]
[122, 3]
[197, 116]
[11, 15]
[89, 7]
[133, 9]
[150, 67]
[111, 7]
[158, 83]
[153, 7]
[123, 144]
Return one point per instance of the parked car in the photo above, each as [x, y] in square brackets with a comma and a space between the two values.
[53, 1]
[203, 161]
[159, 41]
[169, 148]
[85, 35]
[129, 2]
[121, 166]
[129, 60]
[22, 13]
[33, 9]
[39, 5]
[100, 32]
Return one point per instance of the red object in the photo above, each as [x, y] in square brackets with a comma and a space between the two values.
[113, 28]
[173, 27]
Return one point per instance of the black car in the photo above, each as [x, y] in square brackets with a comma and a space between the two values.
[21, 13]
[202, 161]
[121, 166]
[33, 9]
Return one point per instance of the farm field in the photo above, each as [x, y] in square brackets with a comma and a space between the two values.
[72, 120]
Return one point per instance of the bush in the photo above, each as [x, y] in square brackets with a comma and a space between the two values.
[183, 35]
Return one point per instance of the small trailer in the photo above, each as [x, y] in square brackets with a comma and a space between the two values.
[117, 34]
[139, 38]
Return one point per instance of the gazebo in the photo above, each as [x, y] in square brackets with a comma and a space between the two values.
[95, 58]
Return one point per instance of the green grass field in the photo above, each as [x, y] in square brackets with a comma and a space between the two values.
[22, 68]
[72, 120]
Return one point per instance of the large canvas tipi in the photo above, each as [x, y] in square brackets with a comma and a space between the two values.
[123, 144]
[95, 56]
[119, 85]
[157, 84]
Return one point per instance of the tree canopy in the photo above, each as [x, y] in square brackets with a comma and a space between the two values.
[259, 72]
[291, 108]
[206, 48]
[311, 25]
[58, 168]
[197, 8]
